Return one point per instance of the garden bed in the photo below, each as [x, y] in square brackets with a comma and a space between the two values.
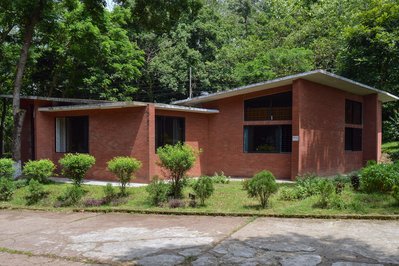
[228, 199]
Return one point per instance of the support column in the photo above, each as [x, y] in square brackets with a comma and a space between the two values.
[151, 140]
[295, 154]
[372, 128]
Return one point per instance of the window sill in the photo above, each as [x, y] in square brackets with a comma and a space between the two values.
[267, 122]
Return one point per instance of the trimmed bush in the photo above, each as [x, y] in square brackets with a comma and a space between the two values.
[379, 177]
[157, 191]
[7, 169]
[7, 189]
[39, 170]
[203, 188]
[71, 196]
[177, 160]
[261, 187]
[75, 166]
[124, 168]
[36, 192]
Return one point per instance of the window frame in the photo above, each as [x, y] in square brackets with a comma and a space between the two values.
[182, 118]
[55, 134]
[268, 106]
[352, 104]
[245, 142]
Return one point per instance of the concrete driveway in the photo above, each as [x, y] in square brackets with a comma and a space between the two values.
[45, 238]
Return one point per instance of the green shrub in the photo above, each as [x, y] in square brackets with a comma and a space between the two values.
[124, 168]
[39, 170]
[109, 193]
[7, 189]
[220, 178]
[36, 192]
[158, 191]
[7, 169]
[288, 193]
[355, 182]
[395, 193]
[308, 185]
[177, 160]
[261, 187]
[20, 183]
[203, 188]
[71, 196]
[326, 192]
[75, 166]
[379, 177]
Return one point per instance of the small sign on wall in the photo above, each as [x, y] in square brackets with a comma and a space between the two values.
[295, 138]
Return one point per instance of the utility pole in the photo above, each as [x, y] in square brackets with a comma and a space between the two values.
[190, 88]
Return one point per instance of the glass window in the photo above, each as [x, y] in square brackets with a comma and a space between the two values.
[267, 139]
[353, 112]
[272, 107]
[353, 139]
[169, 130]
[72, 134]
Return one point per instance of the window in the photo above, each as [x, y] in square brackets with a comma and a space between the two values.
[353, 139]
[267, 139]
[72, 134]
[353, 112]
[272, 107]
[169, 130]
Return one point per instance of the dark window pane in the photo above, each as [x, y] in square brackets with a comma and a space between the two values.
[353, 112]
[267, 139]
[273, 107]
[353, 139]
[169, 130]
[72, 134]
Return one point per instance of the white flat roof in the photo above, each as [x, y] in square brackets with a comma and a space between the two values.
[55, 99]
[116, 105]
[318, 76]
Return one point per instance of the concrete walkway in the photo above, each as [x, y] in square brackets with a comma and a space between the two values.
[49, 238]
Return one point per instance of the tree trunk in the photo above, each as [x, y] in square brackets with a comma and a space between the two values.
[18, 113]
[2, 125]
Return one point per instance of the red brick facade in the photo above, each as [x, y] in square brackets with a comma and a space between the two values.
[318, 119]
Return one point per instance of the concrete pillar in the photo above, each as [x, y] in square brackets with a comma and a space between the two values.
[372, 128]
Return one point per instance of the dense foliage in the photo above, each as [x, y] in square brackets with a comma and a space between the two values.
[39, 170]
[158, 191]
[7, 168]
[75, 166]
[124, 168]
[176, 160]
[261, 187]
[379, 177]
[203, 188]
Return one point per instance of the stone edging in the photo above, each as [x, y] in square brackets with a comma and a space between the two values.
[231, 214]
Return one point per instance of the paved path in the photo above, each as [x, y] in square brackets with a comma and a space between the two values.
[45, 238]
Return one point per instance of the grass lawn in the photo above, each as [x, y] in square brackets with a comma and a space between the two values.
[228, 198]
[390, 147]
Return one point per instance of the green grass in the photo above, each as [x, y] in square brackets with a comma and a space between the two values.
[228, 198]
[390, 147]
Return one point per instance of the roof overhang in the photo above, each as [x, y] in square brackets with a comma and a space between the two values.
[317, 76]
[119, 105]
[55, 99]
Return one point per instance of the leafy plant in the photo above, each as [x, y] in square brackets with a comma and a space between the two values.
[71, 196]
[395, 193]
[7, 169]
[308, 185]
[124, 168]
[75, 166]
[261, 187]
[7, 189]
[109, 194]
[379, 177]
[355, 182]
[176, 160]
[157, 191]
[39, 170]
[288, 193]
[326, 192]
[203, 188]
[36, 192]
[220, 178]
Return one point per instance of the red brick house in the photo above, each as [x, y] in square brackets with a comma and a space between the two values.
[314, 122]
